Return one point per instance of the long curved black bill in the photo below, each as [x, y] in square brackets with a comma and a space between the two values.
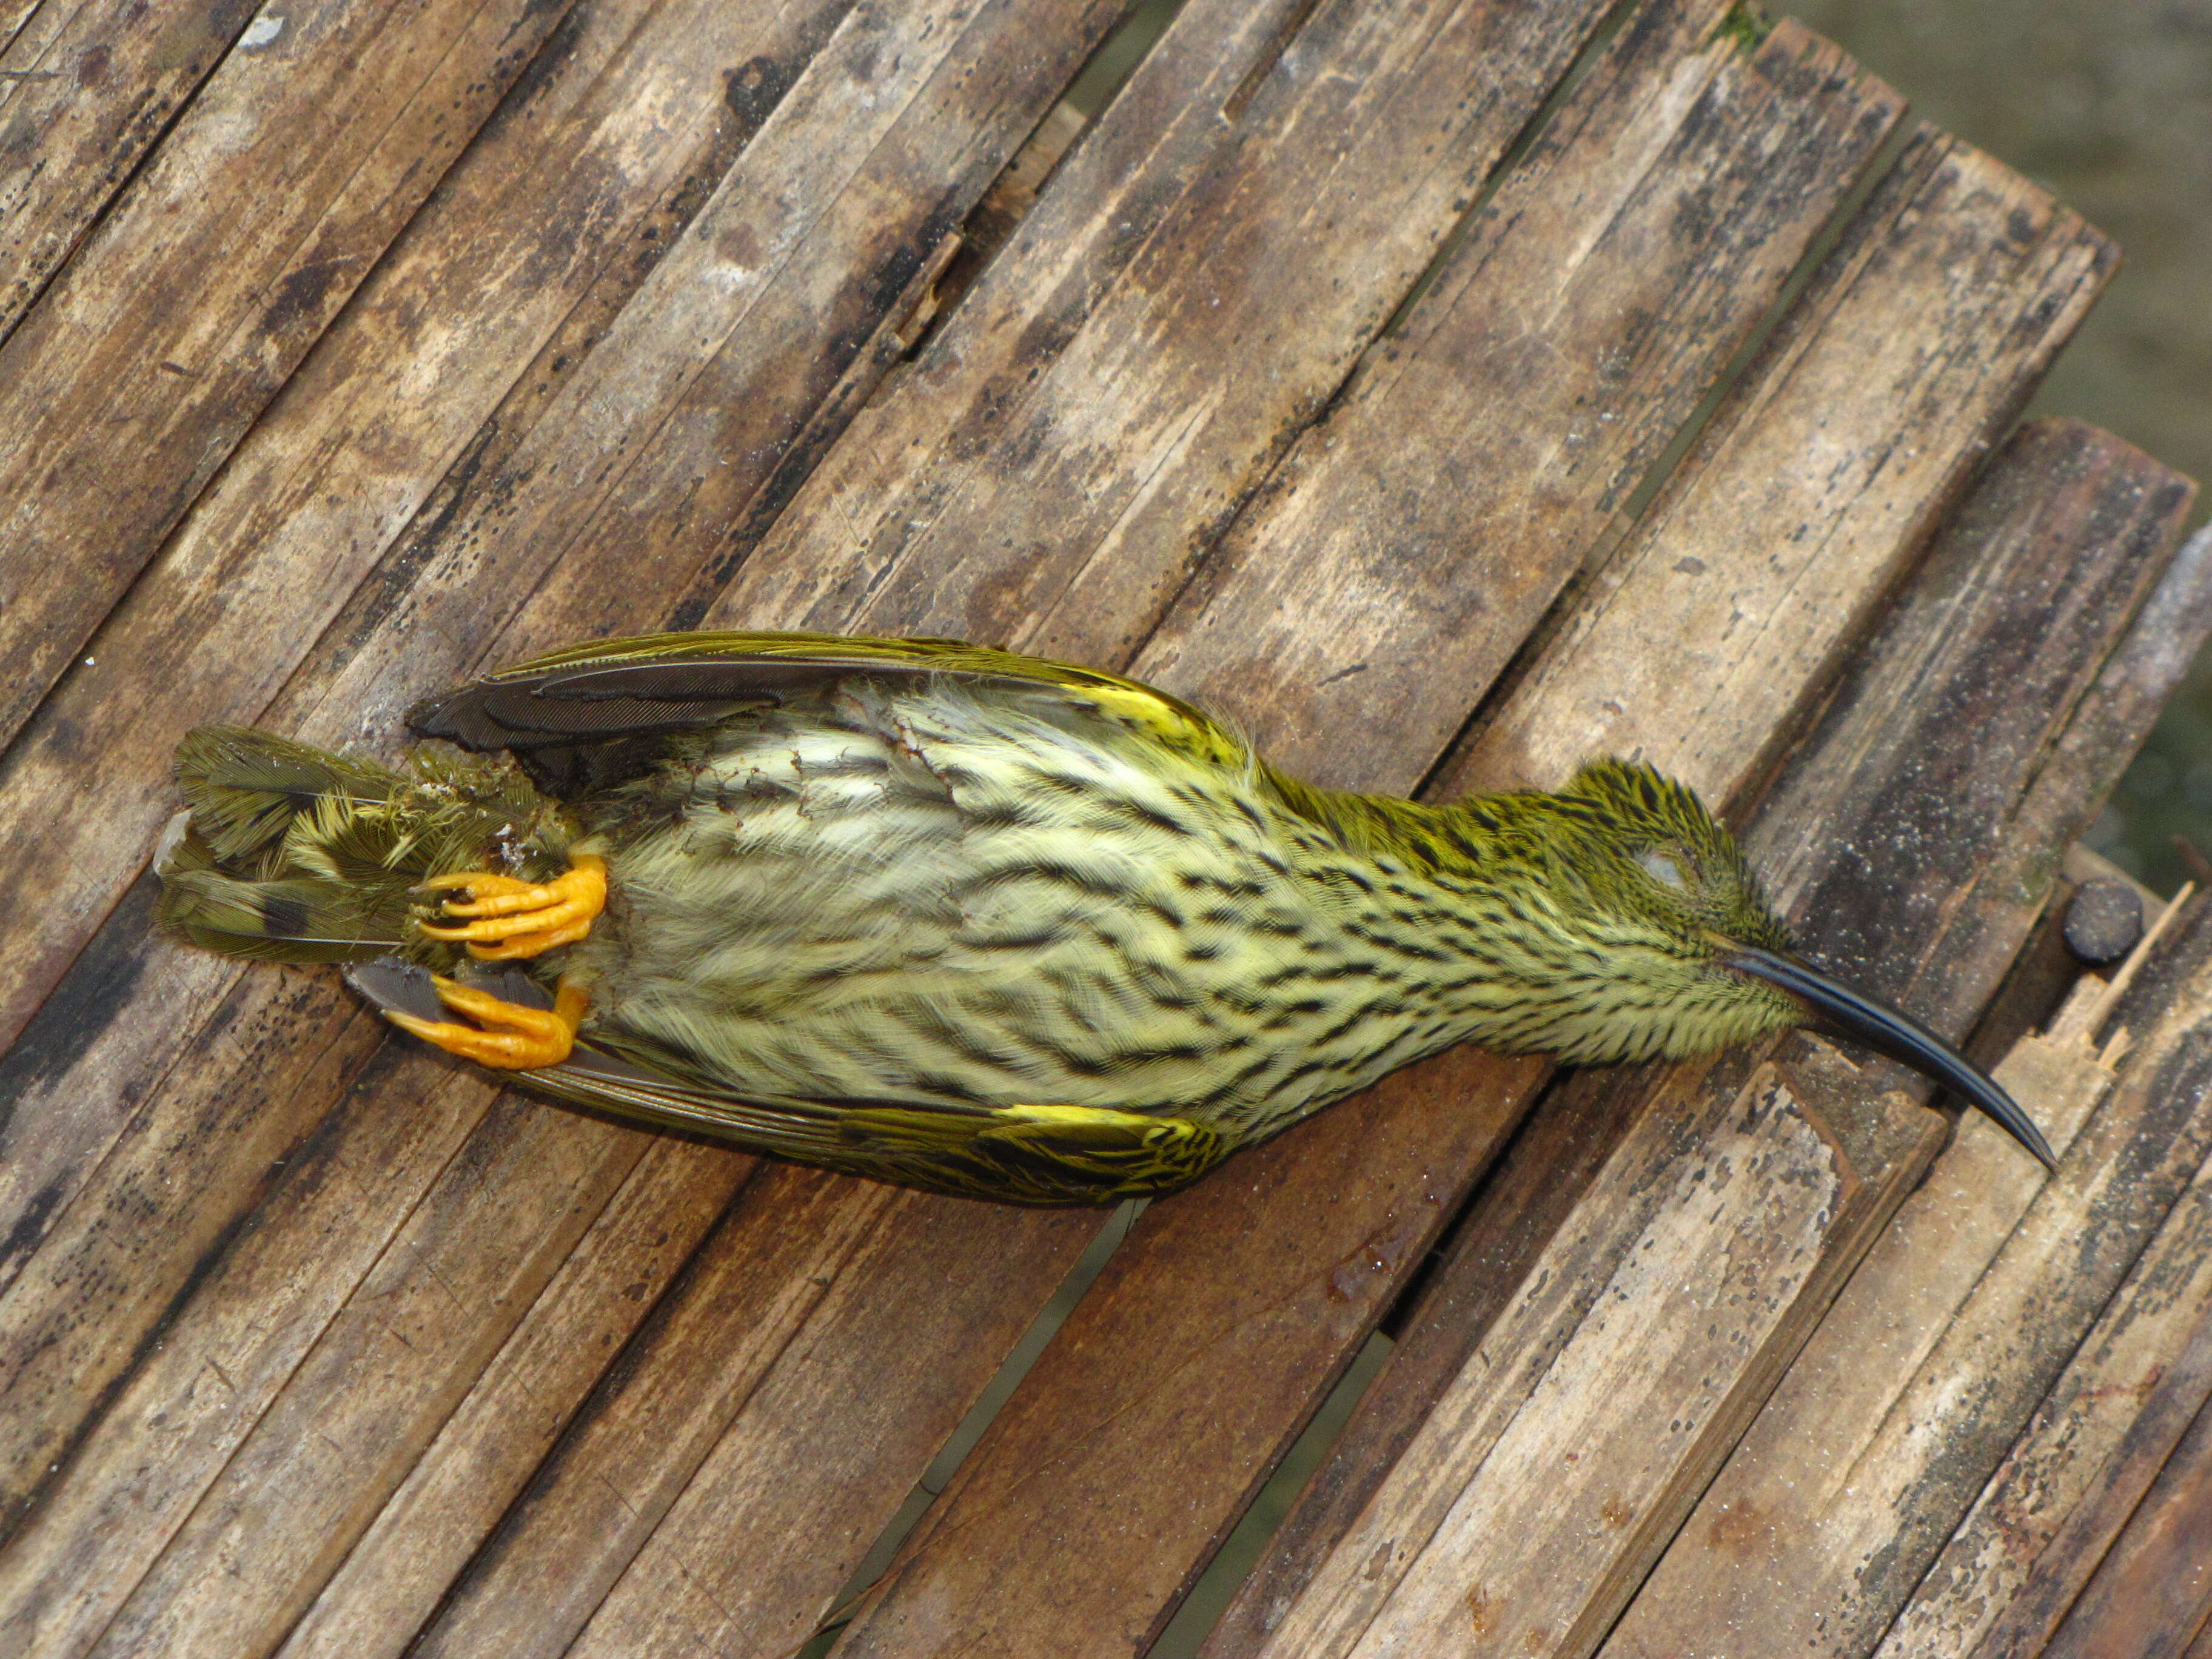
[1892, 1035]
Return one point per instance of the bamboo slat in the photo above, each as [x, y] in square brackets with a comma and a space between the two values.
[1596, 296]
[312, 1343]
[536, 240]
[1453, 1515]
[1125, 376]
[2154, 1592]
[87, 89]
[1837, 488]
[1304, 1252]
[143, 1180]
[2067, 1488]
[1855, 1475]
[1904, 1448]
[459, 618]
[146, 361]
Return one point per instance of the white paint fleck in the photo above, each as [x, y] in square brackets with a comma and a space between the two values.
[260, 32]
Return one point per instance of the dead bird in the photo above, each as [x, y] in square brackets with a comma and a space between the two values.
[972, 921]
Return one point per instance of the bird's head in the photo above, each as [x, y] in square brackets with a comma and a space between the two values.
[1676, 951]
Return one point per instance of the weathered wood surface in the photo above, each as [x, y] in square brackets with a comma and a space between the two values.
[2049, 1514]
[1308, 1249]
[1837, 491]
[410, 1160]
[2154, 1592]
[932, 1233]
[109, 1239]
[144, 363]
[536, 241]
[309, 1341]
[87, 90]
[1148, 345]
[1783, 1552]
[1398, 1576]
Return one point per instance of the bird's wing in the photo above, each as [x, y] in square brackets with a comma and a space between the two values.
[594, 714]
[1037, 1155]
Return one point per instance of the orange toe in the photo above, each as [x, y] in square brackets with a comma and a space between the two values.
[515, 918]
[509, 1036]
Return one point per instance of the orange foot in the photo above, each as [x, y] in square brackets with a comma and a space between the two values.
[524, 1038]
[520, 918]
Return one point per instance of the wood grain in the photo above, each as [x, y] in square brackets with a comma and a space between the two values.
[1838, 1499]
[514, 1413]
[1928, 326]
[1565, 342]
[1794, 394]
[831, 1444]
[449, 350]
[1973, 638]
[145, 363]
[922, 1362]
[190, 1254]
[1142, 365]
[346, 456]
[1507, 1525]
[2152, 1593]
[1560, 1590]
[2062, 1494]
[1076, 1451]
[89, 88]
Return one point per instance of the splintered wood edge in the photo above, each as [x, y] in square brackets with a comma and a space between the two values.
[1246, 1625]
[1698, 1581]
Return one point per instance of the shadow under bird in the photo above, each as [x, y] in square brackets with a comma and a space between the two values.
[971, 922]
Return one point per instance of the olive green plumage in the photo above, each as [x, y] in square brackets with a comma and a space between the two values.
[295, 855]
[972, 921]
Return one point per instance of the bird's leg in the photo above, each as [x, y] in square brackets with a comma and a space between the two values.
[520, 918]
[521, 1037]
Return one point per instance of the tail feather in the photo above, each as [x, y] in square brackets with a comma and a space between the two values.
[246, 788]
[296, 921]
[294, 854]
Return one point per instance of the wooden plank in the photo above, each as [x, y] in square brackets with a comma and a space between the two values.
[261, 212]
[1942, 211]
[1818, 1561]
[2153, 1593]
[1547, 369]
[758, 1282]
[142, 1178]
[1894, 1478]
[939, 1386]
[1546, 1477]
[1080, 1443]
[536, 243]
[723, 1326]
[513, 1415]
[341, 462]
[87, 90]
[1124, 376]
[283, 1501]
[345, 1190]
[1453, 1509]
[832, 1441]
[2050, 1513]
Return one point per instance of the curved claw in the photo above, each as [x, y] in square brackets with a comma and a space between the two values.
[518, 918]
[520, 1038]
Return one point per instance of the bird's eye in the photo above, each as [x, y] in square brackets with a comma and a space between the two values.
[1658, 865]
